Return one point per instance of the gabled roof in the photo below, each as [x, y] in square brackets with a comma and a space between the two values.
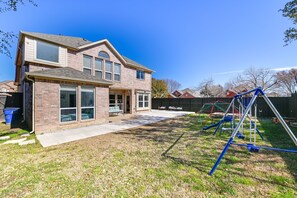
[6, 82]
[179, 91]
[67, 41]
[193, 92]
[171, 95]
[77, 43]
[68, 73]
[133, 63]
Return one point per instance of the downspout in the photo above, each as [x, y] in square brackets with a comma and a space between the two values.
[33, 104]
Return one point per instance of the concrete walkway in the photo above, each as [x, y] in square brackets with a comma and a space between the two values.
[69, 135]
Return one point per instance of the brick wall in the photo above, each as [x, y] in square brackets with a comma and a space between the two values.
[128, 74]
[47, 107]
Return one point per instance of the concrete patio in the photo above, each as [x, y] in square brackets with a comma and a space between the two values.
[140, 119]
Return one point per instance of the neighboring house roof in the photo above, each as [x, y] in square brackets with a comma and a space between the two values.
[190, 91]
[187, 94]
[9, 83]
[171, 96]
[68, 73]
[231, 92]
[178, 91]
[78, 43]
[6, 81]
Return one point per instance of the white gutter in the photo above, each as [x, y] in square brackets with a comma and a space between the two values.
[33, 104]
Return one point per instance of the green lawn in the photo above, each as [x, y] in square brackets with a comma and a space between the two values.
[130, 164]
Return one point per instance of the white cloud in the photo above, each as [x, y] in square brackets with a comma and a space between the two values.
[283, 68]
[228, 72]
[240, 71]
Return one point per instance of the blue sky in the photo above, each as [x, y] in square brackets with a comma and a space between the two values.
[188, 41]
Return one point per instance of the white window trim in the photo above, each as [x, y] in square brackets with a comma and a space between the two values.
[67, 88]
[99, 69]
[114, 73]
[84, 89]
[105, 53]
[88, 68]
[46, 61]
[143, 75]
[116, 99]
[143, 101]
[110, 72]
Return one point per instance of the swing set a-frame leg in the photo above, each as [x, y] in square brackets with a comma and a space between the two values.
[221, 157]
[218, 127]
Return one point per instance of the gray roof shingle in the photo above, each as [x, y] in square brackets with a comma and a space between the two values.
[132, 62]
[69, 41]
[76, 42]
[68, 73]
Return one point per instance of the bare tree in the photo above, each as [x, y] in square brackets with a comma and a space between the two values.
[287, 81]
[254, 77]
[6, 38]
[172, 85]
[207, 88]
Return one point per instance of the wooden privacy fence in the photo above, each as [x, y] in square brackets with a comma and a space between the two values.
[287, 106]
[14, 100]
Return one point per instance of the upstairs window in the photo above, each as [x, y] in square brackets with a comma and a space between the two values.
[117, 72]
[98, 68]
[103, 54]
[47, 52]
[140, 75]
[87, 64]
[108, 70]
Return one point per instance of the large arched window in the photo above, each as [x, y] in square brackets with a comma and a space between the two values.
[103, 54]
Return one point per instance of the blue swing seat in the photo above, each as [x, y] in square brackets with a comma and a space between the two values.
[240, 136]
[253, 148]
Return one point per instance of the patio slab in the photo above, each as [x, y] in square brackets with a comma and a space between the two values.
[69, 135]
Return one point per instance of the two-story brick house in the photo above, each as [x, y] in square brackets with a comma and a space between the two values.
[70, 81]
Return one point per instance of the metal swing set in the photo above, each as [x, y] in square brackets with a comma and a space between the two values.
[246, 108]
[236, 112]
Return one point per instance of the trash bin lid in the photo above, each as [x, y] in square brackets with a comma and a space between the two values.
[11, 109]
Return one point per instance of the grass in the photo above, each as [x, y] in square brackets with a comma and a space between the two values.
[130, 164]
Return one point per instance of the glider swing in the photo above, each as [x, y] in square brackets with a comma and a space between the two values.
[227, 116]
[214, 109]
[247, 112]
[236, 112]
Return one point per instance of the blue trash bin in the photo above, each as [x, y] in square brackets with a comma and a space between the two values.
[8, 112]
